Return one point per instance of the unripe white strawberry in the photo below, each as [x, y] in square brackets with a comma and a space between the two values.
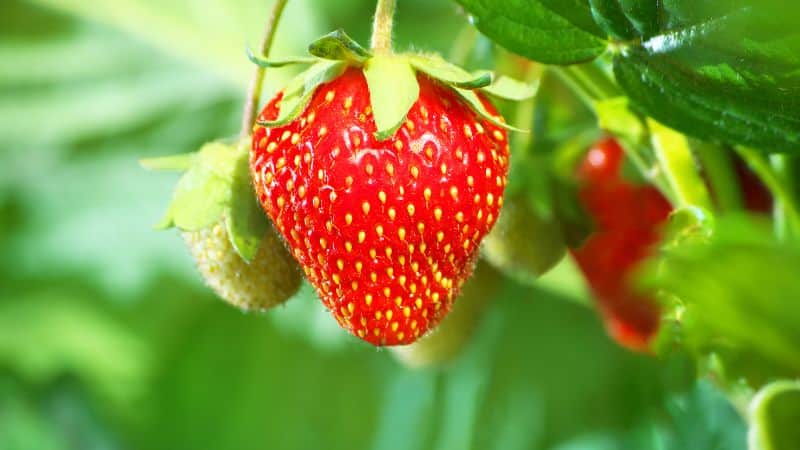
[237, 251]
[523, 244]
[271, 278]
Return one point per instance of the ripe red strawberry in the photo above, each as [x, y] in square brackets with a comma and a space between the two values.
[387, 231]
[627, 219]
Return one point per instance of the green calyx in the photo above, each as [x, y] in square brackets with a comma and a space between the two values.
[392, 81]
[215, 185]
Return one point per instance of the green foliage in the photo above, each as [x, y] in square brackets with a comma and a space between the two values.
[738, 296]
[724, 70]
[717, 71]
[549, 31]
[47, 334]
[774, 415]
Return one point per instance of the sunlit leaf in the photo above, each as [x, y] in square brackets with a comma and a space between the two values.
[549, 31]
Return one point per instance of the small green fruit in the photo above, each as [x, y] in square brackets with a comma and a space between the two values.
[523, 244]
[452, 335]
[271, 278]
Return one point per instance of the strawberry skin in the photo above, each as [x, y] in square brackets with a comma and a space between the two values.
[270, 279]
[627, 218]
[386, 231]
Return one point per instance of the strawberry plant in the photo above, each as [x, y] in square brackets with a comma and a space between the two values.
[650, 152]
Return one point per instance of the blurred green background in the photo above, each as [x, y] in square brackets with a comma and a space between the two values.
[109, 340]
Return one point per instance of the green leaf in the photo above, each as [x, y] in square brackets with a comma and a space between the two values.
[774, 415]
[448, 73]
[510, 89]
[548, 31]
[179, 162]
[739, 297]
[339, 46]
[270, 63]
[393, 90]
[204, 191]
[724, 70]
[299, 90]
[245, 220]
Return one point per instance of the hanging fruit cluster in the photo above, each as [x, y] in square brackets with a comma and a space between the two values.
[381, 176]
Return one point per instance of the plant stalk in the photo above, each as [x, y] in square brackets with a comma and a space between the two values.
[719, 169]
[676, 160]
[589, 81]
[257, 82]
[773, 175]
[381, 41]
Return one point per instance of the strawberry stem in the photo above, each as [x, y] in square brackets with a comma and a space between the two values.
[676, 160]
[718, 166]
[772, 174]
[381, 41]
[256, 83]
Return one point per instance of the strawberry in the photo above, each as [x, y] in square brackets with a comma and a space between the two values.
[238, 253]
[627, 219]
[524, 244]
[268, 280]
[386, 230]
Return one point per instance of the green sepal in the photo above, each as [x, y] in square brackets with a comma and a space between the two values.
[203, 191]
[299, 90]
[774, 415]
[475, 103]
[393, 90]
[450, 74]
[272, 63]
[736, 295]
[180, 162]
[339, 46]
[510, 89]
[217, 186]
[244, 219]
